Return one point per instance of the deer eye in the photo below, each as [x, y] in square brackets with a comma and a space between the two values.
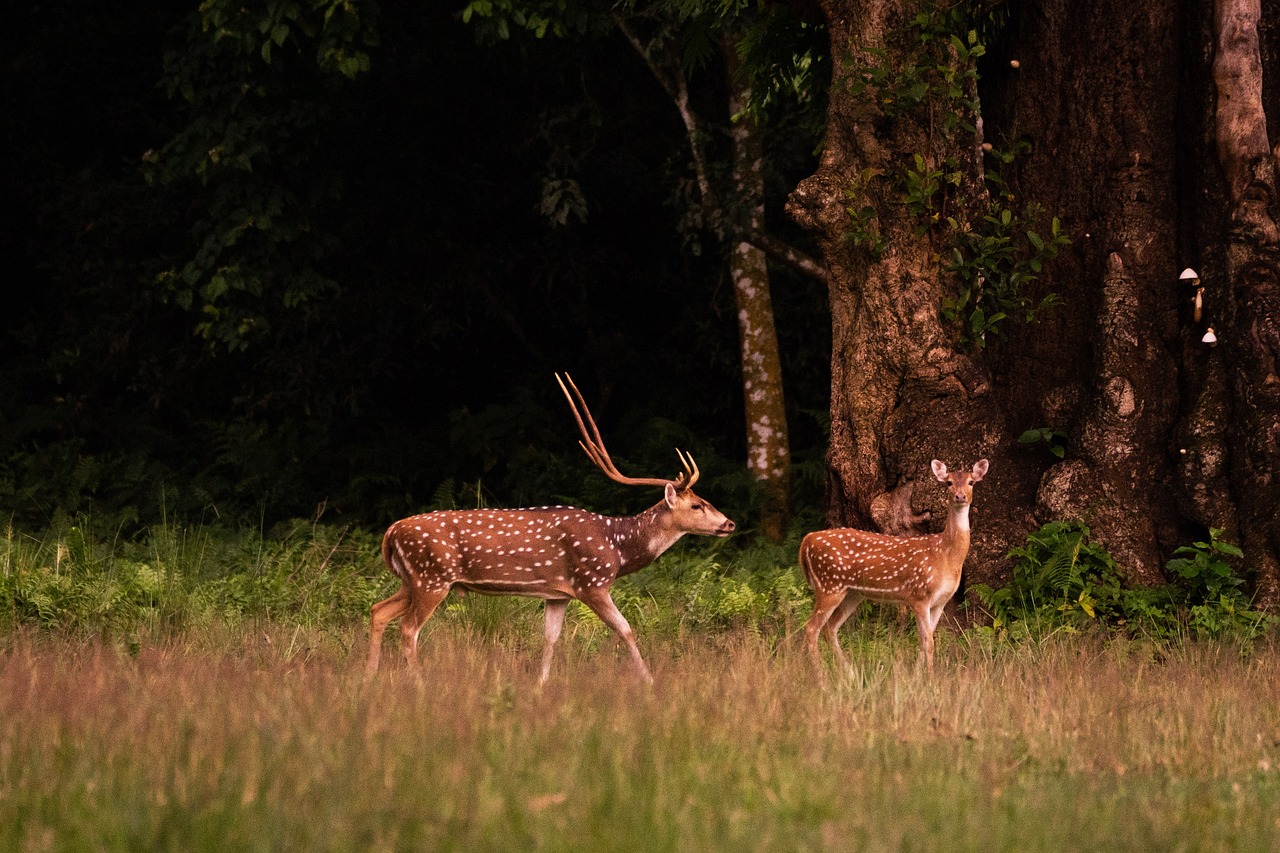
[698, 507]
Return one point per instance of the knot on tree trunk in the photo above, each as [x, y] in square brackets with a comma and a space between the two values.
[1066, 490]
[817, 204]
[892, 512]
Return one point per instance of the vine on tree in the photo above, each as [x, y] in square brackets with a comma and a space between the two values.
[994, 256]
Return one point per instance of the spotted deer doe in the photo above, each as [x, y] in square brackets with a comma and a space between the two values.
[845, 566]
[556, 553]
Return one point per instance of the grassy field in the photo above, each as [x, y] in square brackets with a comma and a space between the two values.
[263, 737]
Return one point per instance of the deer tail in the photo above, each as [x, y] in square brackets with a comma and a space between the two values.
[805, 545]
[392, 557]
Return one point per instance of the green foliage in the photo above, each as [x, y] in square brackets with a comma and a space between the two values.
[1215, 597]
[995, 261]
[1053, 439]
[495, 20]
[709, 586]
[933, 64]
[786, 63]
[398, 275]
[863, 227]
[920, 184]
[256, 82]
[77, 582]
[175, 577]
[1061, 581]
[308, 574]
[1204, 566]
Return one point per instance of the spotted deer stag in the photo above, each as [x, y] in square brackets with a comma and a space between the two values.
[845, 566]
[556, 553]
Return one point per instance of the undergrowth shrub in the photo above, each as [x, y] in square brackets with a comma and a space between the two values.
[1214, 596]
[307, 573]
[1062, 581]
[747, 583]
[173, 577]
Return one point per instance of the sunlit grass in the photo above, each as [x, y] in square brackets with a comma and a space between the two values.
[265, 738]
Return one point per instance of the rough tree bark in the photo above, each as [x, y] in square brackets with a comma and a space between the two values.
[1098, 105]
[1251, 320]
[1167, 435]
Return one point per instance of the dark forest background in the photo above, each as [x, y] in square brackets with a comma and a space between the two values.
[322, 259]
[411, 293]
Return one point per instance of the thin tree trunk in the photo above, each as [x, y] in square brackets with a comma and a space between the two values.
[768, 445]
[767, 439]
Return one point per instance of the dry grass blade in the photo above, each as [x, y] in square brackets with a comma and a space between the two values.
[225, 743]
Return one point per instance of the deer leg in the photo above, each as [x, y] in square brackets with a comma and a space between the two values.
[824, 603]
[381, 614]
[925, 623]
[418, 612]
[556, 608]
[601, 603]
[843, 611]
[935, 616]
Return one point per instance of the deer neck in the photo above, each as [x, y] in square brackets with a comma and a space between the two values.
[955, 534]
[641, 539]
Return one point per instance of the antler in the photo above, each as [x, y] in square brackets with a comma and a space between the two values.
[593, 444]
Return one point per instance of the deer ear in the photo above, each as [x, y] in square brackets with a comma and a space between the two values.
[939, 470]
[669, 494]
[980, 469]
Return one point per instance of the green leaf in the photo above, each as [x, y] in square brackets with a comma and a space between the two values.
[977, 321]
[1228, 549]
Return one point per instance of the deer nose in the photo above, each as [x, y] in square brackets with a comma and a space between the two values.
[728, 526]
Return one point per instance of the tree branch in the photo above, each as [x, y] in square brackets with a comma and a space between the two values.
[676, 85]
[786, 254]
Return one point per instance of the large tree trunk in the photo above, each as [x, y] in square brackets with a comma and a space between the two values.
[1251, 317]
[1166, 434]
[1098, 105]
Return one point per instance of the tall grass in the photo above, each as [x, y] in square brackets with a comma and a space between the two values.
[199, 689]
[268, 740]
